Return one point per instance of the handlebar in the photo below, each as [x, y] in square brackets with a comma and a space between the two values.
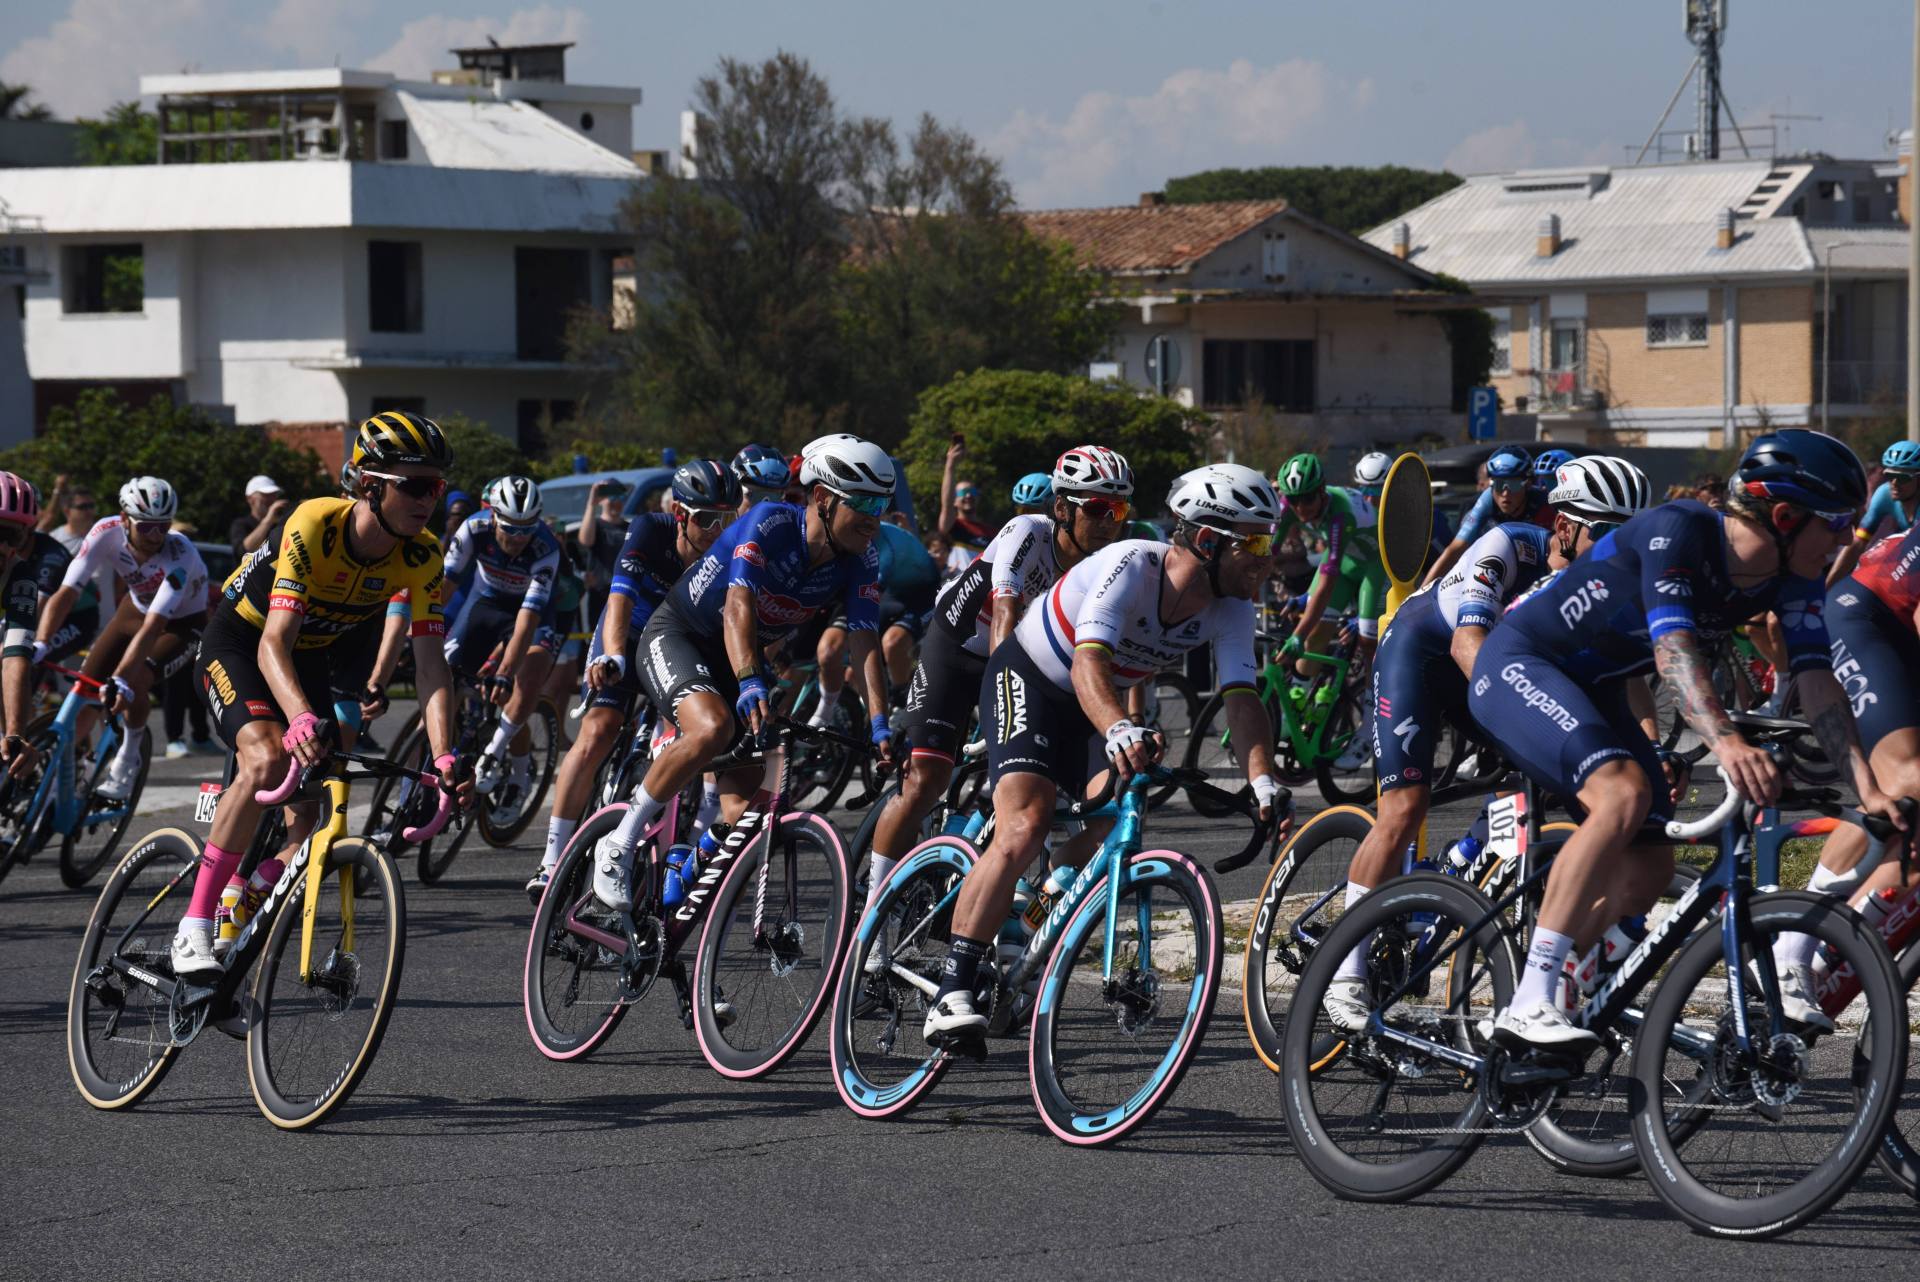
[1825, 800]
[74, 675]
[297, 777]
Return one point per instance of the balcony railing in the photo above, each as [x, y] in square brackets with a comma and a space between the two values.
[1860, 382]
[1561, 391]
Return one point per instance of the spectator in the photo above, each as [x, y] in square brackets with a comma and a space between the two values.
[959, 506]
[73, 512]
[266, 508]
[1711, 488]
[603, 528]
[460, 506]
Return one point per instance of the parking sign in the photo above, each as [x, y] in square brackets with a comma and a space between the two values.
[1483, 414]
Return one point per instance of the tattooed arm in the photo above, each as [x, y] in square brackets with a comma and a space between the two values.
[1827, 712]
[1677, 658]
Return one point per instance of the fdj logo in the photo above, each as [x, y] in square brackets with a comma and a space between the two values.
[1584, 598]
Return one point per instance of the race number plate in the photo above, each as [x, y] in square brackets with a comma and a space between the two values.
[205, 804]
[1507, 826]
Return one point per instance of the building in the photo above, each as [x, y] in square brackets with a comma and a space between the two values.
[1682, 304]
[316, 245]
[1253, 304]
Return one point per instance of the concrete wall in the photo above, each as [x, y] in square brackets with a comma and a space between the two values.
[16, 385]
[611, 125]
[265, 299]
[1776, 345]
[153, 343]
[1315, 264]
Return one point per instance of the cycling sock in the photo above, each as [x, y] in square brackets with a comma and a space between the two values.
[127, 755]
[501, 734]
[1354, 964]
[1540, 976]
[1794, 949]
[645, 809]
[878, 866]
[709, 807]
[962, 967]
[559, 833]
[823, 710]
[217, 867]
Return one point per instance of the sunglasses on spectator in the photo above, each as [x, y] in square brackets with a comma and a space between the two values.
[150, 529]
[1103, 509]
[864, 504]
[707, 518]
[80, 505]
[965, 492]
[414, 487]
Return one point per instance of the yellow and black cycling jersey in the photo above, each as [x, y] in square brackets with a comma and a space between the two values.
[305, 566]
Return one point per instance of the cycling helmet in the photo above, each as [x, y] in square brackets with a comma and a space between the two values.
[400, 436]
[1225, 494]
[515, 500]
[148, 498]
[705, 483]
[848, 466]
[1372, 469]
[1902, 457]
[1033, 490]
[1600, 488]
[762, 467]
[1545, 464]
[1298, 477]
[1508, 461]
[1799, 465]
[1093, 469]
[18, 502]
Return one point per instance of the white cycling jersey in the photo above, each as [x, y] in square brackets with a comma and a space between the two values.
[1500, 564]
[1018, 563]
[1113, 599]
[172, 582]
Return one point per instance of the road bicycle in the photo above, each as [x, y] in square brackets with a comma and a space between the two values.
[771, 908]
[1795, 1114]
[1112, 989]
[61, 797]
[330, 935]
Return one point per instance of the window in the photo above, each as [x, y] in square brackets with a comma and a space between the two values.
[534, 419]
[1502, 342]
[548, 284]
[393, 286]
[105, 278]
[1568, 343]
[407, 404]
[1677, 331]
[393, 140]
[1273, 256]
[1277, 374]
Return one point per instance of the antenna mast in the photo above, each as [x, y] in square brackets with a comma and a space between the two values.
[1706, 28]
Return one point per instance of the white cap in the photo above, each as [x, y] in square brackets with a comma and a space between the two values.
[262, 484]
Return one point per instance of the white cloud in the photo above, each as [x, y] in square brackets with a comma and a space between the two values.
[423, 43]
[1494, 150]
[96, 55]
[1109, 144]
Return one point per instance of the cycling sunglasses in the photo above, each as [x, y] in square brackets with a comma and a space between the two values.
[1598, 529]
[707, 518]
[1836, 522]
[150, 529]
[1901, 476]
[1251, 544]
[414, 487]
[1510, 484]
[1103, 509]
[864, 504]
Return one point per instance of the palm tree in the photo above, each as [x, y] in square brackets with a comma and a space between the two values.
[15, 104]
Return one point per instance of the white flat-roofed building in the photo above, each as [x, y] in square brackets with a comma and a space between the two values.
[316, 245]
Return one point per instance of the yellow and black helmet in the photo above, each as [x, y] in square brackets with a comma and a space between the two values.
[400, 436]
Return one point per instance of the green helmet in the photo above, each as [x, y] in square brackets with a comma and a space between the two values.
[1300, 475]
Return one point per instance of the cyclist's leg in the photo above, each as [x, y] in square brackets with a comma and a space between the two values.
[607, 711]
[1345, 589]
[1370, 602]
[104, 655]
[831, 654]
[940, 702]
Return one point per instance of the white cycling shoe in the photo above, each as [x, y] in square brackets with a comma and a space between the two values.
[952, 1019]
[537, 884]
[1347, 1005]
[116, 782]
[487, 774]
[508, 800]
[193, 951]
[613, 874]
[1541, 1026]
[1797, 1002]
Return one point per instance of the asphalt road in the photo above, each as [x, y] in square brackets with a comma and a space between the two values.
[466, 1154]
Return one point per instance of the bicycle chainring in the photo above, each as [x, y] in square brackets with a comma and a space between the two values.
[646, 948]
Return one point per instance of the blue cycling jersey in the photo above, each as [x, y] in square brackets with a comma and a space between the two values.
[1881, 509]
[905, 567]
[474, 556]
[1663, 571]
[647, 566]
[765, 552]
[1483, 514]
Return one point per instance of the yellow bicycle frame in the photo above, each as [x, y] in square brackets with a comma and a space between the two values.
[332, 828]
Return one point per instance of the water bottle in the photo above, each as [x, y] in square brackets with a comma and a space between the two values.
[238, 903]
[1878, 906]
[1014, 930]
[682, 867]
[1461, 855]
[1056, 885]
[1605, 957]
[1325, 693]
[1297, 694]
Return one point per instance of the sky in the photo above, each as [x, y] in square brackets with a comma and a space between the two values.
[1088, 103]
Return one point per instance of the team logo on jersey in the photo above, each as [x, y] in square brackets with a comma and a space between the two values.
[1584, 598]
[1848, 598]
[1406, 732]
[781, 610]
[1659, 543]
[1526, 552]
[415, 554]
[870, 592]
[374, 585]
[220, 683]
[1489, 572]
[750, 553]
[329, 536]
[1385, 707]
[1802, 614]
[1515, 675]
[1673, 587]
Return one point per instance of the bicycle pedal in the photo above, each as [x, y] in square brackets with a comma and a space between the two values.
[971, 1045]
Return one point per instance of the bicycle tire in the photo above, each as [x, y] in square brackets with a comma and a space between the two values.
[919, 881]
[169, 857]
[747, 1048]
[1862, 1123]
[380, 799]
[1209, 749]
[818, 788]
[543, 725]
[1346, 723]
[1430, 1163]
[1336, 823]
[288, 1010]
[436, 856]
[1897, 1155]
[1073, 1121]
[556, 959]
[78, 863]
[16, 800]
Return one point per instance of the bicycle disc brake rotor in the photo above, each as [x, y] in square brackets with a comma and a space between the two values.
[185, 1022]
[786, 947]
[338, 977]
[1782, 1072]
[641, 966]
[1135, 1000]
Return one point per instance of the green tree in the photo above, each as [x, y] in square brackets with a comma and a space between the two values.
[1352, 198]
[126, 135]
[16, 103]
[101, 441]
[1469, 334]
[480, 454]
[1019, 421]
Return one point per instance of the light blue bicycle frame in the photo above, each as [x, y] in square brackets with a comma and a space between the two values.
[57, 786]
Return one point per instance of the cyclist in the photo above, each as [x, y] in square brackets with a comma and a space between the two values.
[504, 559]
[1513, 493]
[1370, 475]
[1891, 509]
[1352, 573]
[153, 632]
[763, 474]
[265, 661]
[1033, 494]
[1420, 675]
[657, 551]
[32, 564]
[1548, 688]
[975, 614]
[909, 581]
[69, 526]
[767, 574]
[1051, 701]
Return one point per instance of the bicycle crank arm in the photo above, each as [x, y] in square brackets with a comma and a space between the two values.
[1376, 1027]
[926, 986]
[167, 988]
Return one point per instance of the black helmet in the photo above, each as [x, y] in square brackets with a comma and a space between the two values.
[1799, 465]
[705, 483]
[401, 436]
[761, 466]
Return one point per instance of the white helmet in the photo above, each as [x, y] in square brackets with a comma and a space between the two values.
[1224, 494]
[1372, 468]
[1092, 469]
[1600, 488]
[847, 465]
[515, 500]
[148, 498]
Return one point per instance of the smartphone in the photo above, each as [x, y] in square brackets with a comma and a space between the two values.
[959, 438]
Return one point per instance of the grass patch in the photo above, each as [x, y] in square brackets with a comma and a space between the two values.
[1797, 859]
